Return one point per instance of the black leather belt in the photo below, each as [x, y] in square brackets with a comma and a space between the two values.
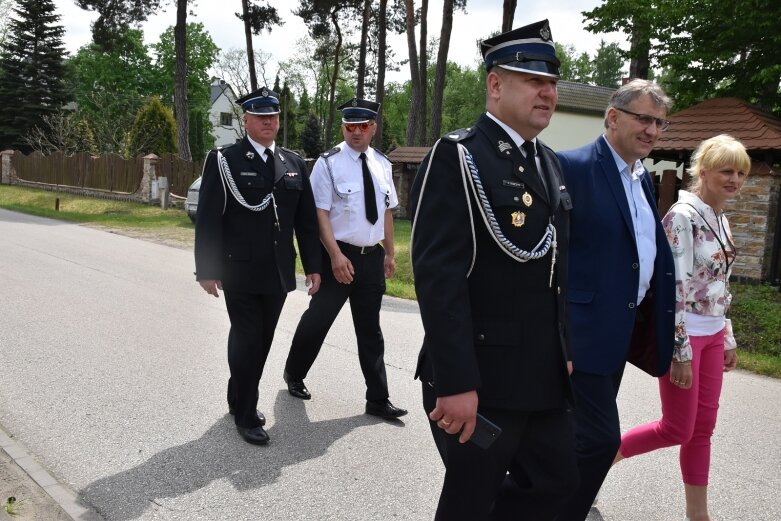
[360, 250]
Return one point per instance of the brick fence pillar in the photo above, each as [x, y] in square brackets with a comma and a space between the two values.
[150, 175]
[5, 166]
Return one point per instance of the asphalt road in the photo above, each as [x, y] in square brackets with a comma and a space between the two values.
[114, 372]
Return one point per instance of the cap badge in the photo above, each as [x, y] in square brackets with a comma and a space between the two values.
[505, 147]
[545, 33]
[527, 199]
[519, 219]
[355, 102]
[264, 93]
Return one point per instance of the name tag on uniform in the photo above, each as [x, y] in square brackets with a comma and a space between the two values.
[514, 184]
[248, 174]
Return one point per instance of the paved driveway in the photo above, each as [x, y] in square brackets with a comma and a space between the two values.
[114, 376]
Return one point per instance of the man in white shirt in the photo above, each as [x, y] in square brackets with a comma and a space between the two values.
[354, 196]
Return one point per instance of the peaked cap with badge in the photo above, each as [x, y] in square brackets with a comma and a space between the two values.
[359, 110]
[260, 102]
[527, 49]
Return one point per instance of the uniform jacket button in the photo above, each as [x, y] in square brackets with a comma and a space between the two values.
[635, 265]
[481, 337]
[631, 305]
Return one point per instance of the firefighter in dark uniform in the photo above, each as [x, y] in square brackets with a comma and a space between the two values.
[489, 254]
[254, 195]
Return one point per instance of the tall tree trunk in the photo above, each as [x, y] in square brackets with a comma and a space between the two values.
[367, 9]
[415, 102]
[180, 82]
[508, 13]
[382, 45]
[334, 78]
[421, 134]
[640, 49]
[439, 79]
[253, 79]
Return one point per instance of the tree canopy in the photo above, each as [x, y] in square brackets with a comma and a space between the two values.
[706, 48]
[32, 71]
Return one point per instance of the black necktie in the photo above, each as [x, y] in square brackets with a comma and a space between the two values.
[531, 155]
[368, 191]
[531, 158]
[270, 162]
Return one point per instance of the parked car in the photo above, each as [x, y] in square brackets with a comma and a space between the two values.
[191, 203]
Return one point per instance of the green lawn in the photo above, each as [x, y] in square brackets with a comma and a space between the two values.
[755, 313]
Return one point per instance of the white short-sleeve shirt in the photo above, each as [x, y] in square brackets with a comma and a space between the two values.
[337, 183]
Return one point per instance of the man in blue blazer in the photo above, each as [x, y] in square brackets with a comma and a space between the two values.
[621, 276]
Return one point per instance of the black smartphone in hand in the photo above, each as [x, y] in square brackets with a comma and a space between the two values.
[485, 432]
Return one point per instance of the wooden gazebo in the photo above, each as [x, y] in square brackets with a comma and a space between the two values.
[755, 215]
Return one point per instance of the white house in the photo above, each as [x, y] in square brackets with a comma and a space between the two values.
[223, 115]
[579, 116]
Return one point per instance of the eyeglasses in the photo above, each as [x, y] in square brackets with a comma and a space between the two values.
[645, 119]
[350, 127]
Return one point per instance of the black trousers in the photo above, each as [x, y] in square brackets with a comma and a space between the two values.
[253, 321]
[525, 475]
[365, 295]
[597, 434]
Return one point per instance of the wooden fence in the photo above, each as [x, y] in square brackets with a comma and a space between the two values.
[180, 173]
[110, 172]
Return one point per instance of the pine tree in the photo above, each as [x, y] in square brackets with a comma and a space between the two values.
[311, 141]
[32, 71]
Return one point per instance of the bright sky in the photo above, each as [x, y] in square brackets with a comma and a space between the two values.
[482, 18]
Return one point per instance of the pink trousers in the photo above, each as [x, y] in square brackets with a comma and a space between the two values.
[688, 415]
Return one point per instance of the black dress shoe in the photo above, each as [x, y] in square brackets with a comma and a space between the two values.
[260, 415]
[384, 409]
[296, 387]
[253, 435]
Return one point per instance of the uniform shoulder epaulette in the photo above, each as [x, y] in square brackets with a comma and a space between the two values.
[383, 155]
[329, 153]
[291, 151]
[458, 135]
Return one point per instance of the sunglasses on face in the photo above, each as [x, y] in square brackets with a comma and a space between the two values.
[350, 127]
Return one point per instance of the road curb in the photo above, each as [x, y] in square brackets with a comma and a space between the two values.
[60, 494]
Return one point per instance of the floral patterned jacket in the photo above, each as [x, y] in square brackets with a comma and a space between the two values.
[702, 271]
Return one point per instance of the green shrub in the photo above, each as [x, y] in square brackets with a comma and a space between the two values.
[153, 131]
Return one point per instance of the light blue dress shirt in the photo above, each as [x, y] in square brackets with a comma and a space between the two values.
[643, 219]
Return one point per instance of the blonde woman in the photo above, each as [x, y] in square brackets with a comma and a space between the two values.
[704, 253]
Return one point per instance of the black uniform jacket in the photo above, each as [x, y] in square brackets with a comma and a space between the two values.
[246, 250]
[496, 326]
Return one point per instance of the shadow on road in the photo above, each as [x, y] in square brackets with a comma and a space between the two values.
[219, 454]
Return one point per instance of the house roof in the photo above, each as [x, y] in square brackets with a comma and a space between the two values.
[579, 97]
[220, 87]
[408, 154]
[756, 129]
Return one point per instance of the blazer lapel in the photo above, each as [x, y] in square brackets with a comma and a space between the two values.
[613, 179]
[280, 165]
[552, 176]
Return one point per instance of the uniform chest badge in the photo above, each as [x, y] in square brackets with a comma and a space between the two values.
[250, 155]
[519, 219]
[291, 174]
[505, 147]
[527, 199]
